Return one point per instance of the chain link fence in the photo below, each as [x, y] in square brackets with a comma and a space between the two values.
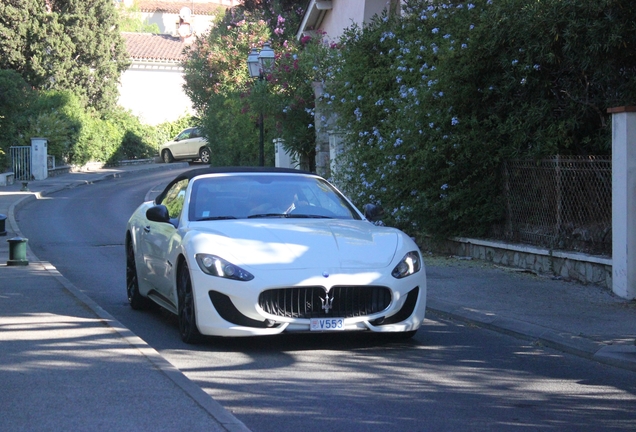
[564, 202]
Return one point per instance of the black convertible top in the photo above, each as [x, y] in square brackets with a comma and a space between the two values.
[240, 169]
[189, 175]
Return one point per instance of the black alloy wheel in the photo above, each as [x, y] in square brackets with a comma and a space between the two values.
[204, 155]
[136, 300]
[187, 316]
[167, 156]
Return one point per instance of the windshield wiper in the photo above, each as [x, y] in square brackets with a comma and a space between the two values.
[266, 215]
[308, 216]
[215, 218]
[289, 215]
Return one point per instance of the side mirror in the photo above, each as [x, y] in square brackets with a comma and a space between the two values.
[158, 213]
[373, 212]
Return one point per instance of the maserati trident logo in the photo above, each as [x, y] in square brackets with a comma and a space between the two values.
[327, 303]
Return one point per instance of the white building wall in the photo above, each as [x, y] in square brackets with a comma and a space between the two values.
[374, 7]
[347, 12]
[154, 95]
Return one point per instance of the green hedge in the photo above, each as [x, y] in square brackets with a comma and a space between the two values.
[76, 134]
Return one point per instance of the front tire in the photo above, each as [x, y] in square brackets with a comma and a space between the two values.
[167, 157]
[135, 299]
[187, 315]
[204, 155]
[403, 335]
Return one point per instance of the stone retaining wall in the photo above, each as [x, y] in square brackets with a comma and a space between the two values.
[587, 269]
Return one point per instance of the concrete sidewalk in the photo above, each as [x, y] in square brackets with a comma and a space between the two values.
[66, 364]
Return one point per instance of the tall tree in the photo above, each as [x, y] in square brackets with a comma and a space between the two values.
[65, 45]
[15, 98]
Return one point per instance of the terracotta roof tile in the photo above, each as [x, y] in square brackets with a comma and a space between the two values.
[197, 8]
[147, 46]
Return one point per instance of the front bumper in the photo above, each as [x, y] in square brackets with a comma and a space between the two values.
[233, 308]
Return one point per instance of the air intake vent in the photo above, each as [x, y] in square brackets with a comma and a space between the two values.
[314, 302]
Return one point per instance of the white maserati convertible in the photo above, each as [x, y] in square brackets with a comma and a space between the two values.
[261, 251]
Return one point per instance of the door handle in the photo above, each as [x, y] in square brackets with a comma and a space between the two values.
[147, 229]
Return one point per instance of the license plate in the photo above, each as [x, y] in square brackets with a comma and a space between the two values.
[326, 324]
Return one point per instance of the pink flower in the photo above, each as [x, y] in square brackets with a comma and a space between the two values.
[280, 20]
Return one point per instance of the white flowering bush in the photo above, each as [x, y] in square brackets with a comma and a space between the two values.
[433, 101]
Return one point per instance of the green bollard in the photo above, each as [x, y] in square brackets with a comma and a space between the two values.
[17, 252]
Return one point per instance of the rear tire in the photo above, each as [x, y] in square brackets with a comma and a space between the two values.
[204, 155]
[167, 156]
[135, 299]
[187, 315]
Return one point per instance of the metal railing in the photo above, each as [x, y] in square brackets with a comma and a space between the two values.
[21, 162]
[564, 202]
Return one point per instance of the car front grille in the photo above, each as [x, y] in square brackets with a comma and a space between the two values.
[312, 302]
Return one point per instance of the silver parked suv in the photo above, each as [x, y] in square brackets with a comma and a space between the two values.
[189, 144]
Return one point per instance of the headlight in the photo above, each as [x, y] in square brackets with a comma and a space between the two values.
[216, 266]
[410, 264]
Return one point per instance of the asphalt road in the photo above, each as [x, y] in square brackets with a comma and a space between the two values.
[448, 377]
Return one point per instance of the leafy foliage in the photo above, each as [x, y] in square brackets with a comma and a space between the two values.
[230, 101]
[131, 20]
[55, 115]
[60, 62]
[15, 99]
[64, 45]
[217, 82]
[281, 16]
[432, 102]
[293, 98]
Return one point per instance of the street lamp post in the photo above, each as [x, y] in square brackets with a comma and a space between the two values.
[259, 62]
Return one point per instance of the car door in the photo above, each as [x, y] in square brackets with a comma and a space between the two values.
[179, 147]
[160, 241]
[193, 143]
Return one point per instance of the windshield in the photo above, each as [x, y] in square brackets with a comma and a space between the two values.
[245, 196]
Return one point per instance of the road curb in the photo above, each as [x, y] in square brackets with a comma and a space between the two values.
[195, 392]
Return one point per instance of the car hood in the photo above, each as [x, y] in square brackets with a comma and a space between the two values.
[291, 244]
